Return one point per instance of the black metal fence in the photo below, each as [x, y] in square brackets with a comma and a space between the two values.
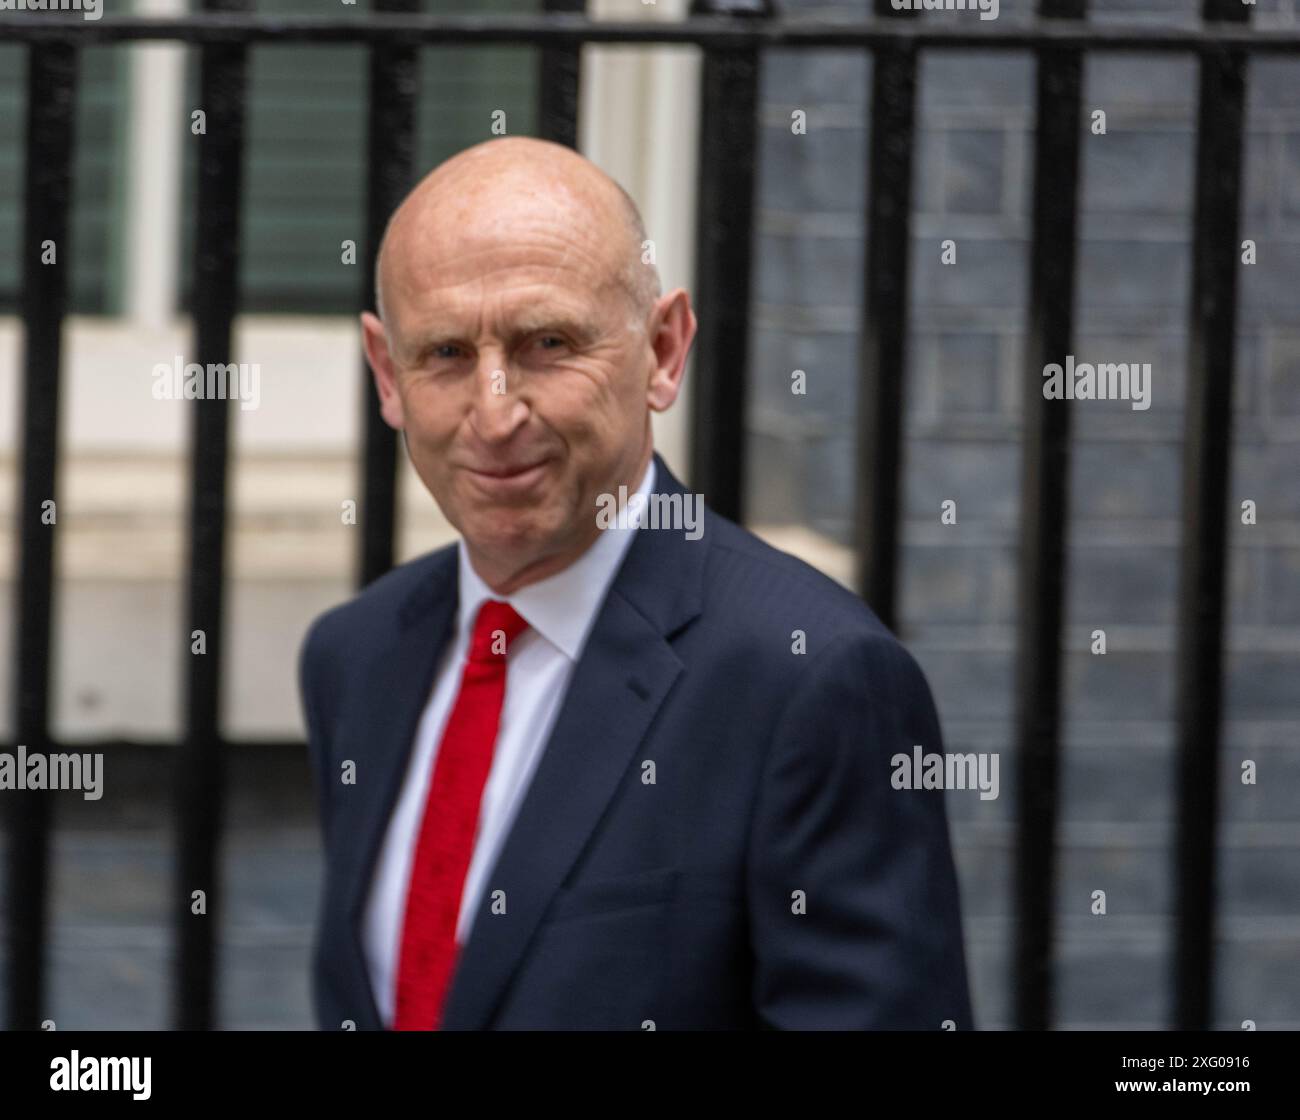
[733, 35]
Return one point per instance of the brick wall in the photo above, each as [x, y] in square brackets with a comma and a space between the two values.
[973, 161]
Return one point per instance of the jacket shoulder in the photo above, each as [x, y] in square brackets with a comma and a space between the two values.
[371, 614]
[753, 580]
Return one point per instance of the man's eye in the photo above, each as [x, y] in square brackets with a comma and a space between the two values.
[447, 350]
[550, 341]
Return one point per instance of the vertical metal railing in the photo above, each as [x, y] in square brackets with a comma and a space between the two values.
[390, 168]
[1044, 517]
[46, 266]
[883, 339]
[724, 246]
[1207, 444]
[559, 85]
[200, 765]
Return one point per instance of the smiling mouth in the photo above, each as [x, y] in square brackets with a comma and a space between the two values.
[509, 474]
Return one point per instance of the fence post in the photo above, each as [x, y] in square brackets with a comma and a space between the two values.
[724, 252]
[47, 196]
[200, 769]
[390, 163]
[1207, 444]
[882, 355]
[1044, 517]
[558, 71]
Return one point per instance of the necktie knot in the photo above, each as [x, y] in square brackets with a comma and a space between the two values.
[496, 626]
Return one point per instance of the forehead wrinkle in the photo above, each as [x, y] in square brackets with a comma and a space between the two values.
[468, 283]
[508, 313]
[528, 285]
[532, 245]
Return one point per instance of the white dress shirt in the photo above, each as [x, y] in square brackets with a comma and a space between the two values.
[560, 611]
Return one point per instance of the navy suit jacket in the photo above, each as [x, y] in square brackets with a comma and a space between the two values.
[711, 839]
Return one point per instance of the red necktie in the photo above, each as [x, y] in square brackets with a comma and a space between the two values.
[428, 953]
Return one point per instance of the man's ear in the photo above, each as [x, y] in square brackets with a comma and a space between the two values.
[672, 330]
[381, 365]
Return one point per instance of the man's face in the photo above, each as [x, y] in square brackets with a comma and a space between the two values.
[521, 379]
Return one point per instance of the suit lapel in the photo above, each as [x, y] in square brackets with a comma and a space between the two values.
[622, 677]
[380, 738]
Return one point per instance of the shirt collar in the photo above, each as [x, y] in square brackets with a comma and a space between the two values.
[562, 607]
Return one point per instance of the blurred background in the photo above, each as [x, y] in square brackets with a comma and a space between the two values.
[119, 632]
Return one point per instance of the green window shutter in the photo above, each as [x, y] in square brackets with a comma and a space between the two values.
[304, 169]
[98, 178]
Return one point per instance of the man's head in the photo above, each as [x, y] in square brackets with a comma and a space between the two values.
[521, 346]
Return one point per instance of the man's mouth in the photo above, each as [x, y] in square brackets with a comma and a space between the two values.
[514, 478]
[508, 472]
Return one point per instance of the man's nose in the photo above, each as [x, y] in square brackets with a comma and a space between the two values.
[498, 408]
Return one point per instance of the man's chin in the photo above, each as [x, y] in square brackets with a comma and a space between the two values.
[505, 537]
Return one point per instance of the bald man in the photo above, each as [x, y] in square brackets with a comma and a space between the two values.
[609, 762]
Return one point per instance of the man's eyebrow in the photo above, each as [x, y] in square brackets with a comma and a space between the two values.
[540, 319]
[528, 322]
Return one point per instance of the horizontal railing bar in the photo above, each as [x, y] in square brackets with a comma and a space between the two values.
[557, 30]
